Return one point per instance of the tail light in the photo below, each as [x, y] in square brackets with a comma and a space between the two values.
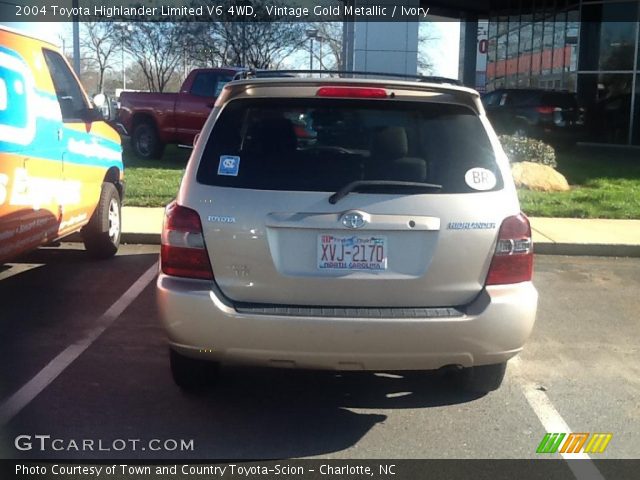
[546, 110]
[513, 259]
[351, 92]
[182, 253]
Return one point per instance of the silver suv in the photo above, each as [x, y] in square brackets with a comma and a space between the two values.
[347, 224]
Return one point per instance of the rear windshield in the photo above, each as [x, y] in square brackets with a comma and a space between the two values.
[323, 144]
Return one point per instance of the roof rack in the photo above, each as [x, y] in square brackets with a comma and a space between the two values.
[247, 74]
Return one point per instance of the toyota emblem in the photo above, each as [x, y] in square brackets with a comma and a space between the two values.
[353, 220]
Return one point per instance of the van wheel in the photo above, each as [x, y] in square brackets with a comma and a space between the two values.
[145, 141]
[102, 234]
[192, 374]
[483, 378]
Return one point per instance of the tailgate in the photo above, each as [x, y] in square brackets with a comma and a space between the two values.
[432, 254]
[274, 237]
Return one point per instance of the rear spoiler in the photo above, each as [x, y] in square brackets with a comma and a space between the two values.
[248, 74]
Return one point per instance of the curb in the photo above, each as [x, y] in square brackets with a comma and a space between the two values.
[140, 238]
[587, 249]
[540, 248]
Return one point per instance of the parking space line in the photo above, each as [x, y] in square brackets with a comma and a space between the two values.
[55, 367]
[553, 422]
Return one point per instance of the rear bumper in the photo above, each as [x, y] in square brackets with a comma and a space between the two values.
[493, 329]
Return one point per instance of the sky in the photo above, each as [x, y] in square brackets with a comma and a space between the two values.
[443, 51]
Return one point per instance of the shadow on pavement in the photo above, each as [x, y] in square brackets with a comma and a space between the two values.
[121, 387]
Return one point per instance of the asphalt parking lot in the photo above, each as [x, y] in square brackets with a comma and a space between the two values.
[72, 372]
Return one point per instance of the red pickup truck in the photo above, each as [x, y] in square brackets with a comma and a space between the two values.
[156, 119]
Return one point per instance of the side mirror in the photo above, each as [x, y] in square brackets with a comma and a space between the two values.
[99, 100]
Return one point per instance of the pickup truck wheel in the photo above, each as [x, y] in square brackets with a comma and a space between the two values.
[145, 141]
[102, 234]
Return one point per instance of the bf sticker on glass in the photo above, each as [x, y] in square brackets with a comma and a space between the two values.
[229, 165]
[480, 179]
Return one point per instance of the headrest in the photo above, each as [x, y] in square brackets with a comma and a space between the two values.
[390, 142]
[277, 135]
[409, 169]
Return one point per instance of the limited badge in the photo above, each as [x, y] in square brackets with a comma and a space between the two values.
[480, 179]
[229, 165]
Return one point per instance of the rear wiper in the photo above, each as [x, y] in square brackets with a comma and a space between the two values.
[358, 184]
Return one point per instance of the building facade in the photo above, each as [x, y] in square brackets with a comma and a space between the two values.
[588, 47]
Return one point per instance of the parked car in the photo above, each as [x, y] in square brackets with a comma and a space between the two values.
[60, 164]
[154, 120]
[552, 116]
[391, 239]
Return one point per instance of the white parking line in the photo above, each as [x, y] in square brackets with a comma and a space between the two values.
[553, 422]
[14, 404]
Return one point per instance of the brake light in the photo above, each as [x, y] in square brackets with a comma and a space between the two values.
[351, 92]
[182, 253]
[513, 259]
[546, 110]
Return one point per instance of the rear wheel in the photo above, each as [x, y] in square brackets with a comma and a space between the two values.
[482, 378]
[145, 141]
[102, 234]
[192, 374]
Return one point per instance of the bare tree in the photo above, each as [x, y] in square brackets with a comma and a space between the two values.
[249, 44]
[255, 44]
[157, 48]
[426, 34]
[329, 45]
[262, 44]
[99, 46]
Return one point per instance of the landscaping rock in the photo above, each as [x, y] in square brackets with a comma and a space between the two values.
[542, 178]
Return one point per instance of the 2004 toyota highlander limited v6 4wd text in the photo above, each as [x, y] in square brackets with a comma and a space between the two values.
[390, 239]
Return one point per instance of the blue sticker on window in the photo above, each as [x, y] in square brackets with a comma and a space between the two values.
[229, 165]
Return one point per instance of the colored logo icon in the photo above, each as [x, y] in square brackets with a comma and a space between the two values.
[574, 443]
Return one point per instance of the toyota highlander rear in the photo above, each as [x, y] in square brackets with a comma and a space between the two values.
[384, 235]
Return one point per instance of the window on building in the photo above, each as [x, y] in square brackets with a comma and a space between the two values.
[573, 33]
[606, 42]
[559, 42]
[607, 98]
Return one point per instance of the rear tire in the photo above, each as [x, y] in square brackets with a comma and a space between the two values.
[102, 234]
[145, 141]
[192, 374]
[482, 378]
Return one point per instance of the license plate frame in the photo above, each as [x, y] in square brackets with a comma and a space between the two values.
[352, 253]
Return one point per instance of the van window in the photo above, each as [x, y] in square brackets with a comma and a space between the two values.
[315, 144]
[70, 96]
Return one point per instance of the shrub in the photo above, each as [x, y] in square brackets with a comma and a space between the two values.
[523, 149]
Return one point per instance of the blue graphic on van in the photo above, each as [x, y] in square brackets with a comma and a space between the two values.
[16, 90]
[30, 120]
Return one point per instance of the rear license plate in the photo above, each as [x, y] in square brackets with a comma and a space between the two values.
[353, 252]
